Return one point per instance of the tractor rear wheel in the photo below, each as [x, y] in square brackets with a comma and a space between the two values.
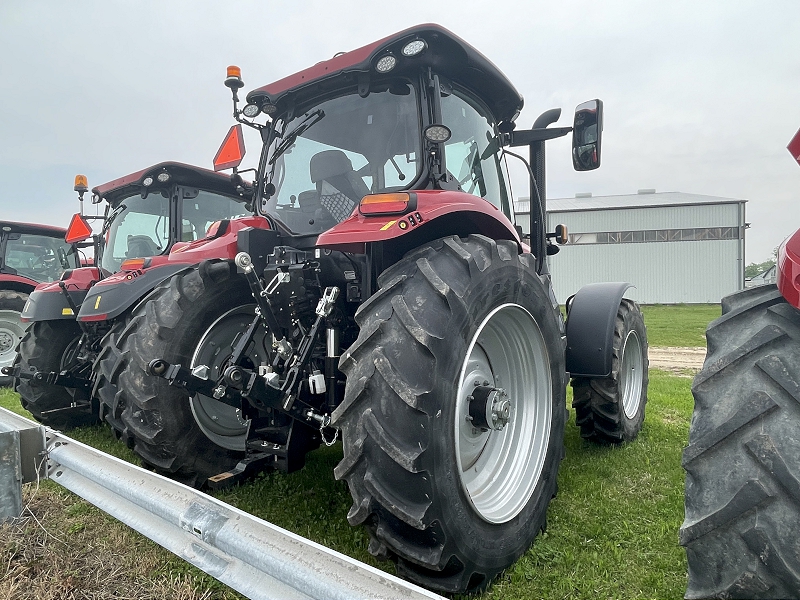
[159, 420]
[12, 329]
[610, 410]
[110, 399]
[743, 460]
[453, 416]
[50, 346]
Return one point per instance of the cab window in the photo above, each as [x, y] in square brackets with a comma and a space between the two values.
[478, 171]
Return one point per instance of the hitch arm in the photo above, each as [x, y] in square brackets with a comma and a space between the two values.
[64, 378]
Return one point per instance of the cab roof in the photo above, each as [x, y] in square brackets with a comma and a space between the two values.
[446, 53]
[180, 173]
[32, 228]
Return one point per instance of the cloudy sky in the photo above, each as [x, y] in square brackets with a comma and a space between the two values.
[700, 96]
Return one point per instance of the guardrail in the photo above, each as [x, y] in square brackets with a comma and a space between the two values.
[254, 557]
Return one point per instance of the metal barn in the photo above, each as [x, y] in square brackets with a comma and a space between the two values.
[674, 247]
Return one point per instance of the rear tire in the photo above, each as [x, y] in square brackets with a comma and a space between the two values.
[48, 346]
[610, 410]
[12, 329]
[157, 418]
[453, 505]
[743, 460]
[106, 367]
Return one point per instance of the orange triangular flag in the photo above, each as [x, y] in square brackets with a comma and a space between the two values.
[231, 152]
[78, 229]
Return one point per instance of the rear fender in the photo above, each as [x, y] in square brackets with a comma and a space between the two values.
[112, 296]
[591, 315]
[48, 303]
[116, 294]
[789, 269]
[432, 214]
[15, 283]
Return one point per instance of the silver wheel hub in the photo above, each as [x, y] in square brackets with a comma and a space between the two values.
[11, 331]
[221, 423]
[503, 413]
[631, 375]
[489, 408]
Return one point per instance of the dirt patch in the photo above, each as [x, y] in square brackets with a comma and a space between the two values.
[682, 361]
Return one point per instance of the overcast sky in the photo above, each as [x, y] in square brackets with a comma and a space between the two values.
[700, 96]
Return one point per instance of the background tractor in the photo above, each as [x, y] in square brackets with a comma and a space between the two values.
[30, 254]
[386, 298]
[743, 459]
[147, 213]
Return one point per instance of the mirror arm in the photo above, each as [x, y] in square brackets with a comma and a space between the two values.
[526, 137]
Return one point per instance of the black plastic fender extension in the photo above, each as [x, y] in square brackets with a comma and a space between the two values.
[591, 314]
[109, 301]
[52, 305]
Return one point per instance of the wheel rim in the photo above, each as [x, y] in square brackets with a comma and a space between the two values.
[631, 374]
[222, 423]
[499, 469]
[11, 331]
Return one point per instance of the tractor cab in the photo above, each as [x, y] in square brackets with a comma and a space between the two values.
[148, 212]
[418, 111]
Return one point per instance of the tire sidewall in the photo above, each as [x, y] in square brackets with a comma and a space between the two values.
[495, 544]
[633, 321]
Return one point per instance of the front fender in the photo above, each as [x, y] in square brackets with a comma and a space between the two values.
[441, 212]
[591, 315]
[112, 296]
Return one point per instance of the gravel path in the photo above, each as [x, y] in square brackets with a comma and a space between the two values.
[676, 359]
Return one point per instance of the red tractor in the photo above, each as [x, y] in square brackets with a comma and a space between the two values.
[147, 214]
[743, 459]
[387, 299]
[30, 254]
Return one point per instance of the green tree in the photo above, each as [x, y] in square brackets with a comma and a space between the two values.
[754, 269]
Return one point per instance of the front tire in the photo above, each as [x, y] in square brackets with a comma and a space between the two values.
[12, 329]
[610, 410]
[743, 460]
[49, 346]
[451, 503]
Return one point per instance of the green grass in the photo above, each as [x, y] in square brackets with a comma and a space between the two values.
[612, 529]
[678, 324]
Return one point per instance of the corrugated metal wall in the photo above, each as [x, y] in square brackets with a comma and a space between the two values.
[663, 272]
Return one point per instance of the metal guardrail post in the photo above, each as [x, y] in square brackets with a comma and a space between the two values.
[21, 460]
[254, 557]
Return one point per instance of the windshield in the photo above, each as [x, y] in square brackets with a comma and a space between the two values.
[38, 257]
[140, 229]
[323, 161]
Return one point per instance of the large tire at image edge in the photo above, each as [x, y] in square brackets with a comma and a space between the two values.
[610, 410]
[153, 417]
[742, 498]
[12, 329]
[452, 504]
[49, 346]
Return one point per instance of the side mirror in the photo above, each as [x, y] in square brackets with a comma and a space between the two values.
[587, 132]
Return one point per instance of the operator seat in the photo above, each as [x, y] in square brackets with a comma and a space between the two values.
[339, 187]
[141, 246]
